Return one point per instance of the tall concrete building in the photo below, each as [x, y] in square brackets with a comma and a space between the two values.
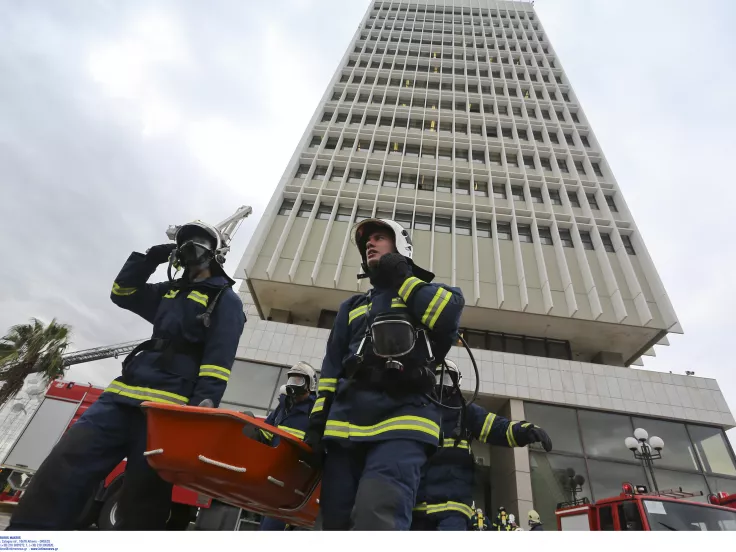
[456, 119]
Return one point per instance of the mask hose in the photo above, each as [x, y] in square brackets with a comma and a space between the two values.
[477, 382]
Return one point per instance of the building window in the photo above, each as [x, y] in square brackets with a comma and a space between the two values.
[517, 193]
[525, 233]
[363, 214]
[628, 245]
[503, 230]
[347, 144]
[569, 139]
[463, 227]
[545, 115]
[566, 238]
[331, 143]
[483, 228]
[319, 173]
[480, 189]
[592, 201]
[607, 243]
[560, 116]
[461, 154]
[326, 319]
[574, 117]
[443, 225]
[316, 141]
[597, 169]
[344, 214]
[507, 133]
[426, 183]
[337, 174]
[408, 181]
[396, 148]
[545, 162]
[562, 164]
[286, 206]
[492, 131]
[587, 240]
[479, 157]
[324, 212]
[341, 117]
[390, 180]
[538, 136]
[499, 191]
[462, 187]
[584, 140]
[302, 171]
[422, 222]
[579, 167]
[611, 203]
[522, 134]
[573, 197]
[444, 185]
[327, 117]
[545, 236]
[305, 209]
[529, 162]
[355, 175]
[512, 160]
[444, 153]
[554, 196]
[379, 146]
[412, 150]
[536, 194]
[373, 178]
[403, 218]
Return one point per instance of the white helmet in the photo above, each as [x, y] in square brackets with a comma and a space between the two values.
[402, 241]
[512, 519]
[452, 374]
[190, 229]
[282, 390]
[302, 375]
[534, 516]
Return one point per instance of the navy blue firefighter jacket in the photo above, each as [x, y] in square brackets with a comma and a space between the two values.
[290, 417]
[200, 367]
[447, 477]
[344, 411]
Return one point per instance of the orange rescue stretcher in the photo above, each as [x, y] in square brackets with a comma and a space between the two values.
[214, 452]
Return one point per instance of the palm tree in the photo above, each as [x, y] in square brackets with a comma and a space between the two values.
[29, 349]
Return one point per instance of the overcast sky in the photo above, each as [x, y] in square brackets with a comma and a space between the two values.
[120, 118]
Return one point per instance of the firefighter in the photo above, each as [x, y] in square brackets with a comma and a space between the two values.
[445, 495]
[372, 414]
[479, 522]
[292, 416]
[513, 526]
[502, 520]
[535, 524]
[197, 322]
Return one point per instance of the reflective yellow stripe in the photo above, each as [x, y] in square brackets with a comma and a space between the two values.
[358, 312]
[212, 374]
[450, 506]
[327, 384]
[450, 443]
[510, 436]
[408, 286]
[397, 303]
[435, 308]
[487, 425]
[443, 304]
[319, 405]
[171, 294]
[420, 507]
[294, 432]
[200, 298]
[400, 423]
[122, 291]
[146, 393]
[267, 434]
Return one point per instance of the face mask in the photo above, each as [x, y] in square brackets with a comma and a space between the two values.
[193, 254]
[296, 385]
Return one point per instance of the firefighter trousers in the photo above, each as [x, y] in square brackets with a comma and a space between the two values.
[371, 486]
[107, 433]
[447, 521]
[272, 524]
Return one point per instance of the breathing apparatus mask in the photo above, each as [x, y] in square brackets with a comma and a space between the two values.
[300, 380]
[198, 247]
[393, 337]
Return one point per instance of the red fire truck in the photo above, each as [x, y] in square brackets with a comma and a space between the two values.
[636, 509]
[62, 405]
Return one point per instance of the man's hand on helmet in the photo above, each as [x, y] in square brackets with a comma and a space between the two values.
[528, 433]
[160, 253]
[392, 270]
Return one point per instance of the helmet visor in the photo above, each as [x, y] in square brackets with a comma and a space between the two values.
[392, 338]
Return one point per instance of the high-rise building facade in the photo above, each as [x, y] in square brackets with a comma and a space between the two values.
[457, 120]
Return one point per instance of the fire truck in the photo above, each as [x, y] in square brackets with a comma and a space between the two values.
[63, 404]
[637, 509]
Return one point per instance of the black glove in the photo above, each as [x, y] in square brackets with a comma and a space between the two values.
[527, 433]
[207, 403]
[392, 270]
[160, 254]
[313, 438]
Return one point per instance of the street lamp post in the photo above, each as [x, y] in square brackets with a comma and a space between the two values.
[647, 450]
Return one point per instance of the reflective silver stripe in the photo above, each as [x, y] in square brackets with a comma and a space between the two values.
[294, 432]
[213, 373]
[436, 306]
[487, 425]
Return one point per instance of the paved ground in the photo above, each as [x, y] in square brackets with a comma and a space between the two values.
[4, 520]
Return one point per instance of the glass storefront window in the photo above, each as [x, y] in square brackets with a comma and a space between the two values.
[712, 450]
[549, 475]
[689, 482]
[604, 434]
[678, 451]
[561, 424]
[721, 484]
[606, 478]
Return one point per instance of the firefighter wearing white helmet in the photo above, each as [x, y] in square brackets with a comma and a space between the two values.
[291, 415]
[445, 496]
[372, 413]
[197, 322]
